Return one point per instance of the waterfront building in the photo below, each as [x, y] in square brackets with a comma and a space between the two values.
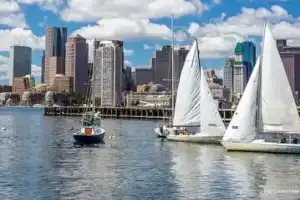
[290, 56]
[245, 58]
[63, 83]
[20, 62]
[76, 64]
[43, 68]
[228, 76]
[143, 75]
[108, 66]
[161, 65]
[54, 61]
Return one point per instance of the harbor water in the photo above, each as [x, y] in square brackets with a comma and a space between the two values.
[38, 160]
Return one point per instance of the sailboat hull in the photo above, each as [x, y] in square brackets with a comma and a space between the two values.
[197, 138]
[160, 133]
[96, 136]
[261, 146]
[94, 139]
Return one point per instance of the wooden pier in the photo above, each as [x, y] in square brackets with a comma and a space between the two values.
[125, 112]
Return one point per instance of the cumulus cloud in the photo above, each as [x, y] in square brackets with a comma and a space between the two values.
[128, 52]
[249, 22]
[92, 10]
[125, 28]
[4, 68]
[10, 14]
[127, 63]
[154, 47]
[19, 36]
[218, 38]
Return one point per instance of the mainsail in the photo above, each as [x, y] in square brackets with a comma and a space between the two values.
[187, 107]
[278, 108]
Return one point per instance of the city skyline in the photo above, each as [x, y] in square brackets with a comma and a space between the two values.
[209, 20]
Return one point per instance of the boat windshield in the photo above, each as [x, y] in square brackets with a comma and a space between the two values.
[89, 121]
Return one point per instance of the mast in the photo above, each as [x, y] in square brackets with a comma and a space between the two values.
[173, 72]
[93, 79]
[198, 58]
[258, 113]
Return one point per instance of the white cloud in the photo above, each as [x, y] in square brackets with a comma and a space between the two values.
[128, 52]
[10, 14]
[125, 28]
[19, 36]
[13, 20]
[218, 38]
[154, 47]
[52, 5]
[218, 46]
[249, 22]
[36, 71]
[92, 10]
[8, 6]
[4, 67]
[147, 47]
[217, 1]
[294, 42]
[127, 63]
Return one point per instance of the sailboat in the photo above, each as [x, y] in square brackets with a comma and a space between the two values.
[162, 131]
[91, 131]
[196, 117]
[266, 118]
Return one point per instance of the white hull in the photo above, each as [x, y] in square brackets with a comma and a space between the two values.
[159, 133]
[197, 138]
[261, 146]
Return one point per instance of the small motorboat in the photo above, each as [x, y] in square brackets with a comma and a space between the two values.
[161, 131]
[90, 135]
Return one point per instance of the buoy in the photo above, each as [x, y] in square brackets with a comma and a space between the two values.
[112, 136]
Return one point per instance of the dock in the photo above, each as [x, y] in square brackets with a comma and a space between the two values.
[125, 112]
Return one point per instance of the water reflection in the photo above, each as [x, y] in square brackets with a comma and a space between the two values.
[263, 176]
[38, 161]
[195, 169]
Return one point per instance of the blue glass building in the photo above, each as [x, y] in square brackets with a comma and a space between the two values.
[244, 62]
[249, 58]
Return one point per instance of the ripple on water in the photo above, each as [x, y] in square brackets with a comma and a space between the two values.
[39, 161]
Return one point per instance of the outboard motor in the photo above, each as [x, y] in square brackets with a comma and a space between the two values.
[295, 141]
[283, 140]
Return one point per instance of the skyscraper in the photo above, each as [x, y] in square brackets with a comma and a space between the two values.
[228, 76]
[56, 38]
[20, 62]
[162, 65]
[143, 75]
[43, 68]
[290, 56]
[108, 66]
[77, 63]
[245, 57]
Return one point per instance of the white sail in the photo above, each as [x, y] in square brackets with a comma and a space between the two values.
[242, 126]
[210, 119]
[187, 108]
[278, 107]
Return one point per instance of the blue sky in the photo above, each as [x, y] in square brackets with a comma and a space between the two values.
[144, 25]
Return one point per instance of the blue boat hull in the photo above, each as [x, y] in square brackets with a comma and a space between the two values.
[89, 139]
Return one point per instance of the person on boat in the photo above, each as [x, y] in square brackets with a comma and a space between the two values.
[283, 140]
[295, 141]
[161, 129]
[185, 132]
[89, 122]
